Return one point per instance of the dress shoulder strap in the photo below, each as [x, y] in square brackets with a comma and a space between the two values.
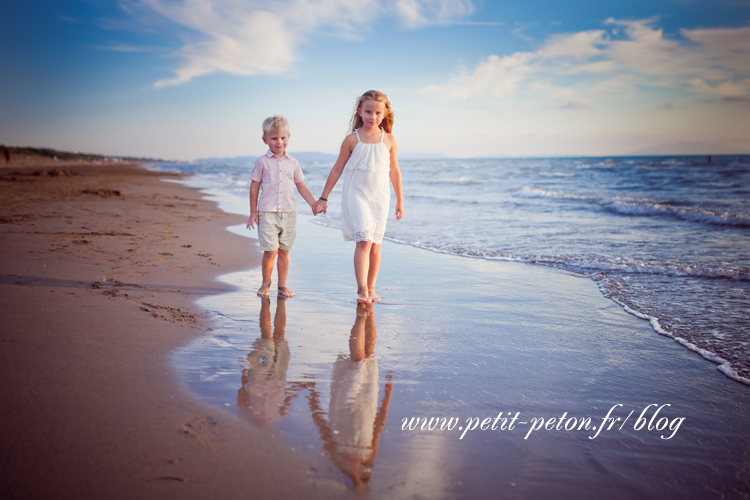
[357, 134]
[382, 136]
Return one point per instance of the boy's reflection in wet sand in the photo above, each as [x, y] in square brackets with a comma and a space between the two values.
[355, 422]
[262, 397]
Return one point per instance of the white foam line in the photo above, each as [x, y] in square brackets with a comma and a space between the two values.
[724, 367]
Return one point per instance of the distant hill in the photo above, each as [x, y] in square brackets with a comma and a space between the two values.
[689, 148]
[312, 156]
[422, 156]
[49, 153]
[300, 156]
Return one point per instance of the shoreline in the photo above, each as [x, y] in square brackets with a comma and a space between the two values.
[458, 338]
[725, 367]
[101, 266]
[108, 296]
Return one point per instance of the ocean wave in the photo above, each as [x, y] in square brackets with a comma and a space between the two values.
[589, 265]
[645, 207]
[463, 180]
[731, 368]
[626, 205]
[536, 192]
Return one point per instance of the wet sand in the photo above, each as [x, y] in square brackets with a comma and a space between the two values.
[129, 372]
[537, 351]
[99, 271]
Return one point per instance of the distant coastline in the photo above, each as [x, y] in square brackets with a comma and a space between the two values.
[314, 156]
[49, 154]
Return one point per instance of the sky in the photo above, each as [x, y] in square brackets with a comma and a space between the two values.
[189, 79]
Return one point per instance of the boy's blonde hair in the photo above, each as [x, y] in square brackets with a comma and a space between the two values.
[373, 95]
[275, 122]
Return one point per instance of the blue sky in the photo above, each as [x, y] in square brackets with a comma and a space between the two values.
[185, 79]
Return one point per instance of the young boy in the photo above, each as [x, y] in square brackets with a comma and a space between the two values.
[275, 211]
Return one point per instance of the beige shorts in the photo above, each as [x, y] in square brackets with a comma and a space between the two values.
[277, 230]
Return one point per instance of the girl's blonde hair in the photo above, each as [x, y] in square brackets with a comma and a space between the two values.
[372, 95]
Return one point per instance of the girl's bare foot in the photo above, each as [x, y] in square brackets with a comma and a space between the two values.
[363, 297]
[263, 290]
[285, 293]
[373, 296]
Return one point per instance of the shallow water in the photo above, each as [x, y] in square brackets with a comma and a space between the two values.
[665, 237]
[459, 338]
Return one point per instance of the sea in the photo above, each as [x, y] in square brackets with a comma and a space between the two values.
[665, 237]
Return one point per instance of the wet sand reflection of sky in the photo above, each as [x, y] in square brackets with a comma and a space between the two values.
[350, 429]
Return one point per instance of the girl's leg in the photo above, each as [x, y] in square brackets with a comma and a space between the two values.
[361, 269]
[358, 336]
[372, 273]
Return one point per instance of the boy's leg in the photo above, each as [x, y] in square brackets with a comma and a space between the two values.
[283, 269]
[268, 242]
[265, 318]
[279, 320]
[361, 269]
[267, 269]
[287, 235]
[372, 273]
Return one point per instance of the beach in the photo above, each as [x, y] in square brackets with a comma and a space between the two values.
[129, 370]
[101, 266]
[485, 373]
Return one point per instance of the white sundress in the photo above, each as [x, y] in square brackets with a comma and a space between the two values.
[366, 192]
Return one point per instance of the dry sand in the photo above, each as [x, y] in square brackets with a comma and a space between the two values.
[99, 272]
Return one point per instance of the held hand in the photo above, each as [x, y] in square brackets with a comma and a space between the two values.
[252, 221]
[319, 206]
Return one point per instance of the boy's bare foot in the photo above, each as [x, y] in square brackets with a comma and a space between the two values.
[263, 290]
[285, 293]
[373, 296]
[363, 297]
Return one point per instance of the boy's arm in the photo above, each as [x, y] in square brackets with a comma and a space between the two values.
[254, 190]
[305, 192]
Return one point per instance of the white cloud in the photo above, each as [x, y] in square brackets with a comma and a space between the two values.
[416, 13]
[575, 105]
[249, 37]
[626, 55]
[519, 31]
[496, 76]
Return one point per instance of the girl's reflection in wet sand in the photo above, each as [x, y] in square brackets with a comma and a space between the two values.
[351, 428]
[352, 432]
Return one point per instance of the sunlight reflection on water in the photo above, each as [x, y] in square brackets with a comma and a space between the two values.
[460, 338]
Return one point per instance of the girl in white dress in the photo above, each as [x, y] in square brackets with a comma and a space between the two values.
[368, 159]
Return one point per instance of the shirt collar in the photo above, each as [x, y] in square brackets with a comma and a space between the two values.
[270, 154]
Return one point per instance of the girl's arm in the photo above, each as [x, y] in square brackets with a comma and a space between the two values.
[338, 168]
[253, 220]
[396, 179]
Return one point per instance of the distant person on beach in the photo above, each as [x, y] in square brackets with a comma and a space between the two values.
[368, 157]
[7, 155]
[274, 211]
